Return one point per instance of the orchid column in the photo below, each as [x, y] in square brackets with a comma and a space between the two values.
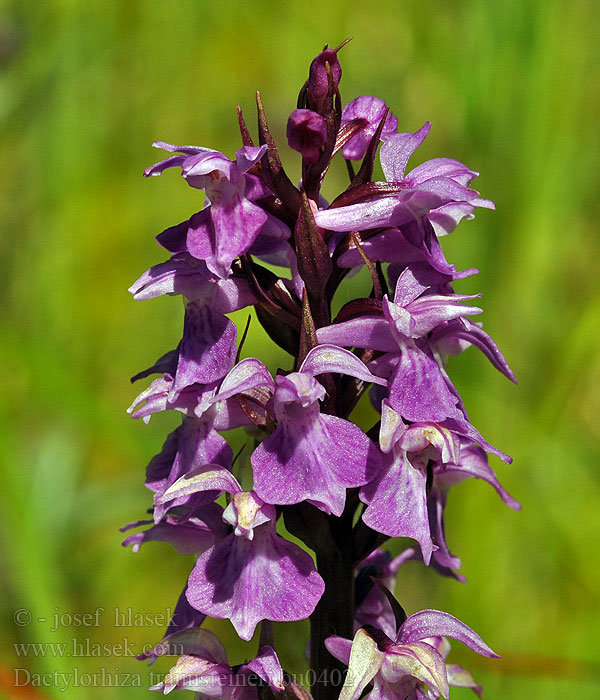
[343, 490]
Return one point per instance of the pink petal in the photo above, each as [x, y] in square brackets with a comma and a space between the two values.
[398, 149]
[397, 503]
[314, 460]
[249, 581]
[208, 477]
[330, 358]
[418, 390]
[236, 223]
[189, 447]
[267, 666]
[442, 167]
[433, 623]
[247, 374]
[365, 332]
[207, 349]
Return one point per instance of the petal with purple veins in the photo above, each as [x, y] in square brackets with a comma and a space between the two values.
[371, 109]
[175, 276]
[364, 332]
[431, 310]
[419, 660]
[236, 223]
[442, 167]
[395, 153]
[436, 504]
[433, 623]
[472, 462]
[200, 235]
[447, 217]
[267, 666]
[447, 190]
[192, 445]
[191, 537]
[340, 648]
[159, 168]
[375, 213]
[174, 238]
[247, 156]
[313, 459]
[472, 333]
[208, 477]
[331, 358]
[207, 349]
[461, 426]
[247, 581]
[417, 388]
[248, 374]
[397, 503]
[187, 150]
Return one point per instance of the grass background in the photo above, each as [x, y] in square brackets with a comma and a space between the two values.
[512, 89]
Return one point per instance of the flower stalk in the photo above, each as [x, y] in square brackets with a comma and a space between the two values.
[343, 490]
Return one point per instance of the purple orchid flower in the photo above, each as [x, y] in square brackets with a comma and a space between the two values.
[194, 400]
[184, 274]
[399, 668]
[207, 349]
[402, 247]
[431, 185]
[397, 496]
[253, 574]
[417, 387]
[304, 449]
[229, 227]
[371, 110]
[204, 668]
[192, 534]
[190, 236]
[453, 337]
[196, 441]
[202, 665]
[313, 456]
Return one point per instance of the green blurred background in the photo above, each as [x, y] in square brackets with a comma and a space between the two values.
[512, 89]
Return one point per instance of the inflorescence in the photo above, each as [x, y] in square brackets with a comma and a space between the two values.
[341, 491]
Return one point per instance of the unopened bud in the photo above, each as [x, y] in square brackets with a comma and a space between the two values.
[318, 80]
[307, 133]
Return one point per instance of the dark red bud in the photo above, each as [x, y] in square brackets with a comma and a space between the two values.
[307, 133]
[318, 81]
